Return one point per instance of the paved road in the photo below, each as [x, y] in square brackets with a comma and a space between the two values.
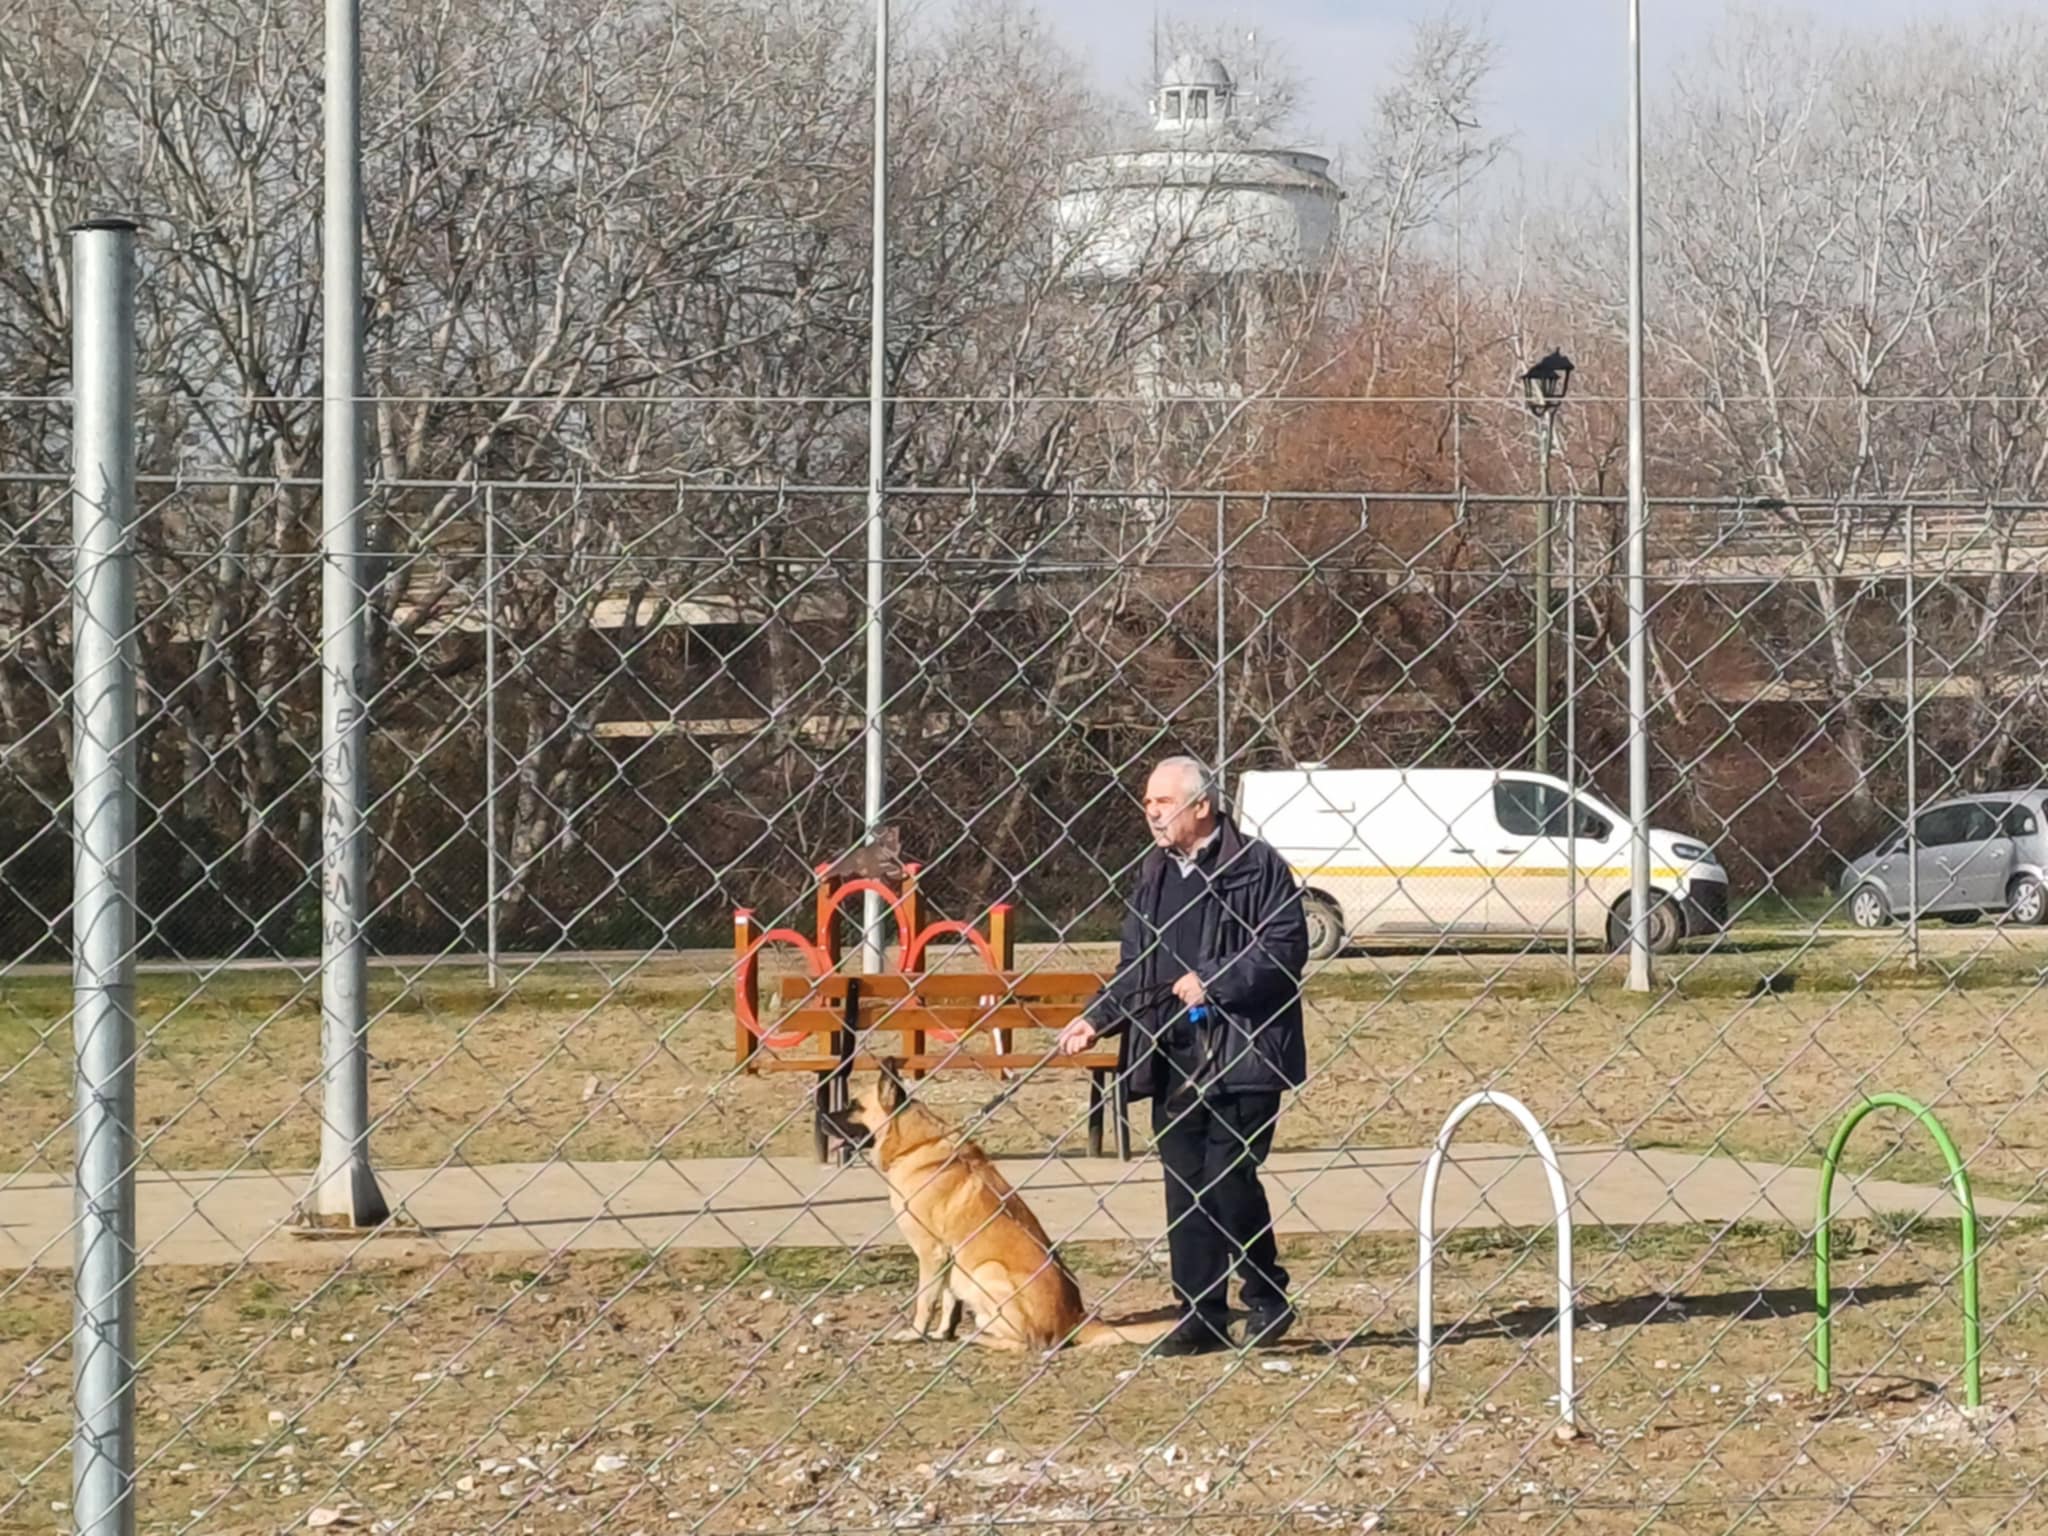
[1937, 939]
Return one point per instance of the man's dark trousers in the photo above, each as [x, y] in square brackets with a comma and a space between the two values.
[1211, 1148]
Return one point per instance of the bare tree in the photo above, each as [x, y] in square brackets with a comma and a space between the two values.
[1425, 141]
[1836, 269]
[606, 243]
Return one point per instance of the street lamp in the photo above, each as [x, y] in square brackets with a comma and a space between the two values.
[1543, 389]
[1545, 384]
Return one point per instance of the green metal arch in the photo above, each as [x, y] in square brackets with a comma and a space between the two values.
[1823, 1337]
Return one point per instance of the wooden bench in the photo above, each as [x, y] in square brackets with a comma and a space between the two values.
[940, 1022]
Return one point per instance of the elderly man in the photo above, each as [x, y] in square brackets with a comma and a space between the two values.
[1207, 998]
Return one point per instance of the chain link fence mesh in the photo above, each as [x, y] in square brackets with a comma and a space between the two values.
[623, 1294]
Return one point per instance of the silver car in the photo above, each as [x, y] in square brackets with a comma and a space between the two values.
[1975, 855]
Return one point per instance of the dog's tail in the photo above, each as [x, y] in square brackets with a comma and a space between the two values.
[1094, 1335]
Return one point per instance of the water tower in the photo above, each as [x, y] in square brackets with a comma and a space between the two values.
[1226, 230]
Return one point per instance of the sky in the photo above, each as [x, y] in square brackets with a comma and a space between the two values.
[1561, 84]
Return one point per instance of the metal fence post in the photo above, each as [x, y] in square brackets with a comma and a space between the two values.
[1222, 664]
[490, 739]
[344, 1192]
[1545, 519]
[878, 449]
[1571, 736]
[1912, 747]
[1639, 979]
[103, 873]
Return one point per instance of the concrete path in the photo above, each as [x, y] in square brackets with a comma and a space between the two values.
[540, 1208]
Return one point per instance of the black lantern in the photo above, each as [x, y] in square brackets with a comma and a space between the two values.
[1544, 385]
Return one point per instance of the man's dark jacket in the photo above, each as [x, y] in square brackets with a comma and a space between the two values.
[1254, 946]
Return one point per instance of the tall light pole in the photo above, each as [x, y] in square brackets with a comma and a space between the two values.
[878, 448]
[103, 696]
[1458, 127]
[344, 1195]
[1544, 387]
[1638, 540]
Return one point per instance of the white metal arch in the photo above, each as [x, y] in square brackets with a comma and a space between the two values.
[1426, 1262]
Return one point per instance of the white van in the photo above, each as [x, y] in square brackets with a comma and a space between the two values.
[1462, 851]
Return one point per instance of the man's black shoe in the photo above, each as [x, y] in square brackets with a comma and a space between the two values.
[1268, 1325]
[1193, 1335]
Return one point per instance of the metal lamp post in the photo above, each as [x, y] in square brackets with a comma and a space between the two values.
[1639, 977]
[1544, 387]
[875, 740]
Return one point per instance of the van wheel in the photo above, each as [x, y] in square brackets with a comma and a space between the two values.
[1665, 928]
[1868, 908]
[1325, 926]
[2026, 903]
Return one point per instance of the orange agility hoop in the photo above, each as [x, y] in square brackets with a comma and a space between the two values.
[914, 950]
[821, 953]
[828, 908]
[746, 986]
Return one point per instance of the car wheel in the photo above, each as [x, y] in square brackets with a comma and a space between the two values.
[1960, 919]
[1665, 926]
[1869, 909]
[2026, 903]
[1326, 933]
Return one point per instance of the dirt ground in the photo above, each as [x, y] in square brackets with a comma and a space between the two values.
[717, 1393]
[1756, 1050]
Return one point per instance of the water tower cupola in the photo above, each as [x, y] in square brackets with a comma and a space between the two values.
[1196, 95]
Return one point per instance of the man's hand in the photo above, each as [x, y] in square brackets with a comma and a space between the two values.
[1077, 1037]
[1189, 990]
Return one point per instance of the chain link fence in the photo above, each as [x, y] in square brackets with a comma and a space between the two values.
[620, 1291]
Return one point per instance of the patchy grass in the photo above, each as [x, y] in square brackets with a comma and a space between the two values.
[728, 1392]
[1754, 1049]
[734, 1391]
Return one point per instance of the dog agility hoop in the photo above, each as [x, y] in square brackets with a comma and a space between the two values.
[1823, 1337]
[1426, 1257]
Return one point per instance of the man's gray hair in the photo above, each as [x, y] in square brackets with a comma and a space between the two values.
[1206, 787]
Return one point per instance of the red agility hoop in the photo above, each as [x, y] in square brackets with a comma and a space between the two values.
[819, 953]
[814, 961]
[830, 909]
[914, 952]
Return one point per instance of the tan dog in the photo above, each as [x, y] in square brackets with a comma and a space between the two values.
[962, 1218]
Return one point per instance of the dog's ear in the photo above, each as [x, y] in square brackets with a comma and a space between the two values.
[889, 1088]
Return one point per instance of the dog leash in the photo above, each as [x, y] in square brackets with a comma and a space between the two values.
[1198, 1014]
